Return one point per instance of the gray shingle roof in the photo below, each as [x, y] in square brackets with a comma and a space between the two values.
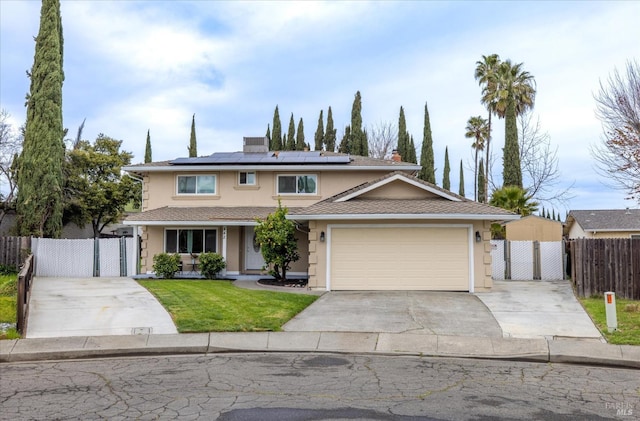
[201, 214]
[314, 158]
[607, 220]
[432, 206]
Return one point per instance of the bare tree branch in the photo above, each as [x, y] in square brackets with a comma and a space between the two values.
[539, 163]
[618, 107]
[10, 146]
[383, 138]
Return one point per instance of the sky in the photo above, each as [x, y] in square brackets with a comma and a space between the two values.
[133, 66]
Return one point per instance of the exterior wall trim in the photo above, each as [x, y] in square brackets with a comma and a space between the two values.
[475, 217]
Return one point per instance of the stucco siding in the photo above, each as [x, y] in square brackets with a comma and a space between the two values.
[160, 189]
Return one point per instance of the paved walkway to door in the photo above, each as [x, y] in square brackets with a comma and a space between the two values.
[94, 307]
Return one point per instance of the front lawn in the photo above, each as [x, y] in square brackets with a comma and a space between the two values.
[628, 312]
[219, 306]
[8, 298]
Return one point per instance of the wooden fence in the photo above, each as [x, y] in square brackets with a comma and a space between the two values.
[25, 280]
[14, 250]
[608, 264]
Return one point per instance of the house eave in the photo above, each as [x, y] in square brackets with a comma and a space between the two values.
[365, 217]
[192, 223]
[282, 167]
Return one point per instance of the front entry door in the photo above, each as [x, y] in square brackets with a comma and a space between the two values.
[253, 259]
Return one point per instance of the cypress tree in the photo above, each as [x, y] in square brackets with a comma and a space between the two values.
[40, 176]
[147, 150]
[319, 137]
[300, 143]
[344, 144]
[412, 151]
[290, 144]
[330, 133]
[193, 147]
[276, 134]
[482, 196]
[553, 214]
[403, 137]
[446, 182]
[428, 171]
[512, 172]
[284, 141]
[461, 187]
[356, 139]
[268, 135]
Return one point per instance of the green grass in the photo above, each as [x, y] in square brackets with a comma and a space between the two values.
[8, 297]
[628, 312]
[219, 306]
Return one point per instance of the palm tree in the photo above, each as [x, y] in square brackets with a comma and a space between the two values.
[514, 199]
[514, 93]
[477, 129]
[510, 82]
[484, 74]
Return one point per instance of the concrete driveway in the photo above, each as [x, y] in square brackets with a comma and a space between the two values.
[93, 307]
[533, 309]
[518, 309]
[419, 312]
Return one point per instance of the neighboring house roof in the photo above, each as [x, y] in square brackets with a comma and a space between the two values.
[290, 160]
[443, 205]
[199, 215]
[606, 220]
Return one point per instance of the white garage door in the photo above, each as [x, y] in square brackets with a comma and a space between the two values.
[399, 258]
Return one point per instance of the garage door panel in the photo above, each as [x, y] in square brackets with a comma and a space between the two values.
[409, 258]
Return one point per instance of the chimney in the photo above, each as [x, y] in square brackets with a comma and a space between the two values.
[395, 157]
[255, 144]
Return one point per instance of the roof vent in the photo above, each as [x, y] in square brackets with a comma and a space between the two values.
[255, 144]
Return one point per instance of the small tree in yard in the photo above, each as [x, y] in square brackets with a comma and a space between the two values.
[275, 234]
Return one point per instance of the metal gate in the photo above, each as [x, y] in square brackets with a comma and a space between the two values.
[106, 257]
[527, 260]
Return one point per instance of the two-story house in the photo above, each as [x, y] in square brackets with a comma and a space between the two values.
[361, 223]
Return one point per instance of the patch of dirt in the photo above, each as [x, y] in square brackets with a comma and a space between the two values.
[290, 283]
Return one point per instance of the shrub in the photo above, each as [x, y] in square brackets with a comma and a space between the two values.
[211, 264]
[8, 270]
[166, 265]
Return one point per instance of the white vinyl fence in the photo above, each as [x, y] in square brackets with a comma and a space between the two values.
[108, 257]
[527, 260]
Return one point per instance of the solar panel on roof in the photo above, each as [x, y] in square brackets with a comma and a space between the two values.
[270, 158]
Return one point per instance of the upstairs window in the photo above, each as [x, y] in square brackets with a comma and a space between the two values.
[297, 184]
[247, 178]
[196, 184]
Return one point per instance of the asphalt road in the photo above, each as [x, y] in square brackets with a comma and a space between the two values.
[314, 387]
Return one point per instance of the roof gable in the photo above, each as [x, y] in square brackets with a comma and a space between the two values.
[398, 186]
[411, 198]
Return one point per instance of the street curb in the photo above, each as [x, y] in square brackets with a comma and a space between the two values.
[389, 344]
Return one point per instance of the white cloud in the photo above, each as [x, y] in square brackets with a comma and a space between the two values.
[133, 66]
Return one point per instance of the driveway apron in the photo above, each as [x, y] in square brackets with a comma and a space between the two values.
[418, 312]
[531, 309]
[93, 307]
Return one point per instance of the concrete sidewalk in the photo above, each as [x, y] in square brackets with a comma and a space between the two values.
[586, 351]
